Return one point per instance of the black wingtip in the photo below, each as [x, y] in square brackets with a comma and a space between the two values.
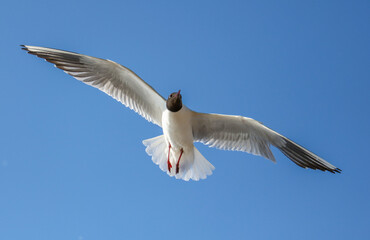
[24, 47]
[336, 170]
[304, 158]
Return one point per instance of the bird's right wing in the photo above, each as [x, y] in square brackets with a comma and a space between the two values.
[112, 78]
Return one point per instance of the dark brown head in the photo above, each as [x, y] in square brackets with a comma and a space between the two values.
[174, 102]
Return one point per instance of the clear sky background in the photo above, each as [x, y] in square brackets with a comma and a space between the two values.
[72, 165]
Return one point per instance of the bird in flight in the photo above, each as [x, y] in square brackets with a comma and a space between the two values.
[174, 151]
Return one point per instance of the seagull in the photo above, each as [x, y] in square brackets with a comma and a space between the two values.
[174, 151]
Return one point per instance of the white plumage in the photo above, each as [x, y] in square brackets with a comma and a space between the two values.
[174, 151]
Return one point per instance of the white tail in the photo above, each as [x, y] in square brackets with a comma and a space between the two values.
[192, 164]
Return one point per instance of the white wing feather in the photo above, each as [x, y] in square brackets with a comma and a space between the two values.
[112, 78]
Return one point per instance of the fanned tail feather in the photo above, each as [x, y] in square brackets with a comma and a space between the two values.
[156, 147]
[192, 164]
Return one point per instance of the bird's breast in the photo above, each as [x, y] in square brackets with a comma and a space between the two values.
[177, 128]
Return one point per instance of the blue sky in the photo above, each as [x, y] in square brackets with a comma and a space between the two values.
[72, 165]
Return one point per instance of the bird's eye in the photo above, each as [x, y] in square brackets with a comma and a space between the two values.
[171, 95]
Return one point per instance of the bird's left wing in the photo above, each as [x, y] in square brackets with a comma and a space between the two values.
[112, 78]
[248, 135]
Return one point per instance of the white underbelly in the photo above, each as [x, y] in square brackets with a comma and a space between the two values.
[177, 128]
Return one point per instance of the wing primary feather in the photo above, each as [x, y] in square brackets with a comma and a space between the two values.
[299, 154]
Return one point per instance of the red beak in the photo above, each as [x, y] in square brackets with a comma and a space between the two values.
[178, 93]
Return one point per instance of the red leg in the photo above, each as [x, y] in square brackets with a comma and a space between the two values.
[169, 165]
[178, 162]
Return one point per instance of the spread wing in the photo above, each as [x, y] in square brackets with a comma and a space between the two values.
[248, 135]
[112, 78]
